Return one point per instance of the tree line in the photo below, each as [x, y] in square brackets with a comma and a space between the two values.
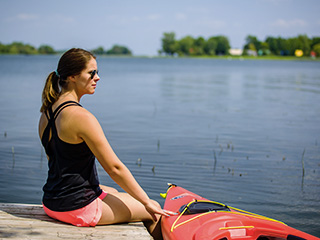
[21, 48]
[27, 49]
[190, 46]
[115, 50]
[283, 46]
[219, 45]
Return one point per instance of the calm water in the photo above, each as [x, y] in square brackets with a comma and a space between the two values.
[233, 131]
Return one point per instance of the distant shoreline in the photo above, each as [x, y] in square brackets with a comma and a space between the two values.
[240, 58]
[225, 57]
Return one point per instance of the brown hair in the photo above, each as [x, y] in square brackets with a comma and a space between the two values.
[71, 63]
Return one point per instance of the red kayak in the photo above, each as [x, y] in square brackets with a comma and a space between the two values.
[194, 217]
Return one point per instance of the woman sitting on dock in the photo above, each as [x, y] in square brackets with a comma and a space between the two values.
[73, 138]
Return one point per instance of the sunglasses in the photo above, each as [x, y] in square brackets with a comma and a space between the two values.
[93, 73]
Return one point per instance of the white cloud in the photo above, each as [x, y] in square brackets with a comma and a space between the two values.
[289, 23]
[63, 19]
[180, 16]
[26, 17]
[23, 17]
[153, 17]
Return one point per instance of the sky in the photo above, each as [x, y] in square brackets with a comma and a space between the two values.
[140, 24]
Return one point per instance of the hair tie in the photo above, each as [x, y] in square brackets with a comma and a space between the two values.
[58, 75]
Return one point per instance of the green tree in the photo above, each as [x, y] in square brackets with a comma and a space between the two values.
[3, 49]
[304, 44]
[316, 49]
[293, 44]
[264, 48]
[314, 41]
[20, 48]
[185, 46]
[283, 46]
[28, 49]
[169, 43]
[210, 46]
[273, 45]
[98, 51]
[223, 45]
[199, 45]
[119, 50]
[252, 40]
[46, 49]
[13, 49]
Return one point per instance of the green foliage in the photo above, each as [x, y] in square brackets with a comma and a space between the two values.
[98, 51]
[316, 49]
[315, 41]
[304, 44]
[27, 49]
[199, 45]
[190, 46]
[20, 48]
[119, 50]
[185, 46]
[115, 50]
[223, 45]
[210, 46]
[17, 48]
[252, 43]
[46, 49]
[283, 47]
[264, 48]
[169, 43]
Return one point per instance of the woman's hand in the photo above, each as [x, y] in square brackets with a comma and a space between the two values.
[154, 208]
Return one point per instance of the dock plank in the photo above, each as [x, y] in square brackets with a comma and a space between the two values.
[28, 221]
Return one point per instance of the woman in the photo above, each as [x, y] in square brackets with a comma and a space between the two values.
[73, 138]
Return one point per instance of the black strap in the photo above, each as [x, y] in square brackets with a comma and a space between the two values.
[62, 106]
[52, 117]
[46, 113]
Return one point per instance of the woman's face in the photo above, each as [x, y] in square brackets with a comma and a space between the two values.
[86, 81]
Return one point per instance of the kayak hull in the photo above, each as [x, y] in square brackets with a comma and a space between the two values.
[221, 225]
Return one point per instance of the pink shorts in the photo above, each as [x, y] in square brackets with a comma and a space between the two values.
[87, 216]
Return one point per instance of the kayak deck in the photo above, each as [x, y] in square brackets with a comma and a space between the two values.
[222, 223]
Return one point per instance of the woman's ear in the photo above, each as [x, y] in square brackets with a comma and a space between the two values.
[71, 78]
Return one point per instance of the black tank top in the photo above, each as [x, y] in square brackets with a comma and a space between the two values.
[72, 181]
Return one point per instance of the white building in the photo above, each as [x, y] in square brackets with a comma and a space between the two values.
[235, 52]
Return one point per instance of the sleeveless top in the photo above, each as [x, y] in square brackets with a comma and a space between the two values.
[72, 181]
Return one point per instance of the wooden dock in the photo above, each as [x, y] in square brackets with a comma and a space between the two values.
[26, 221]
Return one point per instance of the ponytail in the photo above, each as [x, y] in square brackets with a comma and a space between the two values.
[51, 91]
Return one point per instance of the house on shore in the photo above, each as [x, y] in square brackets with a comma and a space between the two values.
[235, 51]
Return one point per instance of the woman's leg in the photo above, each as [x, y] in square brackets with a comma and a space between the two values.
[121, 207]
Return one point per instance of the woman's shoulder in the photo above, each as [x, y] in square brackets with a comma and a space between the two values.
[85, 124]
[68, 108]
[73, 122]
[79, 113]
[79, 117]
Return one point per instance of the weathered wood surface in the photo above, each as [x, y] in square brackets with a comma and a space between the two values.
[26, 221]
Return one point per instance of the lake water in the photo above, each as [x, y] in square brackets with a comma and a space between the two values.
[237, 132]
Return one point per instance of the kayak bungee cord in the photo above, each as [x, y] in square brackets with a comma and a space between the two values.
[239, 212]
